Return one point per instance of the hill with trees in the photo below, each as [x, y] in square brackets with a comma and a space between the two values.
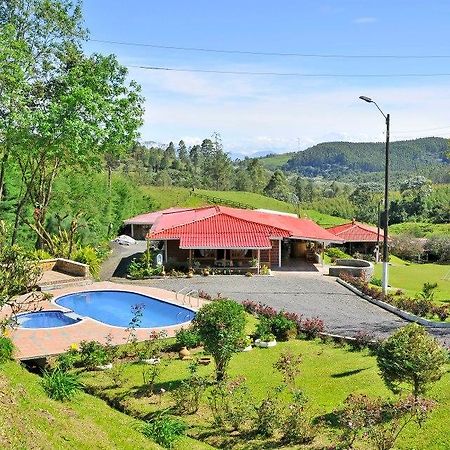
[338, 159]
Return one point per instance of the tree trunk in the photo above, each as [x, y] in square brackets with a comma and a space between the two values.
[2, 174]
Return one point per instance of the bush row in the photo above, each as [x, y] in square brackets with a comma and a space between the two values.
[419, 306]
[307, 327]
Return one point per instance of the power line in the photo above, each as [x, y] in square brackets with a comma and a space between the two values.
[295, 74]
[422, 131]
[249, 52]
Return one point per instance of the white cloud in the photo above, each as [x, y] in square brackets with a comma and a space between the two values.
[254, 114]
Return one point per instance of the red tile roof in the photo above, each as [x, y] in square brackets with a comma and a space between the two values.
[356, 232]
[223, 227]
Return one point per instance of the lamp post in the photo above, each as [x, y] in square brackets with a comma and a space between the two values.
[386, 198]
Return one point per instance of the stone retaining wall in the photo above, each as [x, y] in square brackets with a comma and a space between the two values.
[66, 266]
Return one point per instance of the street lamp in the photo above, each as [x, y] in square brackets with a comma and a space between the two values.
[386, 198]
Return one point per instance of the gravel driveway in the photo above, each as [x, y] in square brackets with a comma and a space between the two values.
[307, 293]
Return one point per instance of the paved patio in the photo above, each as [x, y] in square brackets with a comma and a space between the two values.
[35, 343]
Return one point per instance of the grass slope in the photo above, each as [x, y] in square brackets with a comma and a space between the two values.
[276, 161]
[329, 374]
[410, 277]
[29, 419]
[260, 201]
[166, 197]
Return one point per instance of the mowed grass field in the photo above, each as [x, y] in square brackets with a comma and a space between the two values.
[411, 277]
[328, 375]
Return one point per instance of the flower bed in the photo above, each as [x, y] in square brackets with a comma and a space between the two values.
[309, 327]
[421, 307]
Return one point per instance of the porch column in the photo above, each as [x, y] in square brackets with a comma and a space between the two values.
[279, 253]
[190, 258]
[132, 231]
[259, 261]
[165, 251]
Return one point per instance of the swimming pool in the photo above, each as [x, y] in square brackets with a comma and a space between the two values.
[116, 308]
[44, 319]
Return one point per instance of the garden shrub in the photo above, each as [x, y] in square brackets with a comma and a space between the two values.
[93, 354]
[220, 325]
[88, 255]
[187, 337]
[422, 305]
[150, 374]
[141, 268]
[438, 247]
[68, 360]
[335, 253]
[282, 327]
[406, 246]
[268, 415]
[231, 405]
[60, 385]
[264, 329]
[411, 356]
[312, 327]
[376, 281]
[164, 430]
[378, 421]
[153, 346]
[188, 395]
[297, 427]
[6, 349]
[363, 339]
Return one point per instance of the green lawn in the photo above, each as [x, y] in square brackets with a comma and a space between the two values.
[329, 374]
[410, 277]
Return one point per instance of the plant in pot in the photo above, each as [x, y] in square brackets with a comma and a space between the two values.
[247, 344]
[266, 340]
[254, 262]
[264, 333]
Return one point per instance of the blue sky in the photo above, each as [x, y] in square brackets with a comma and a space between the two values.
[281, 113]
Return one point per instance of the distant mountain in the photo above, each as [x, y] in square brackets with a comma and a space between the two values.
[335, 159]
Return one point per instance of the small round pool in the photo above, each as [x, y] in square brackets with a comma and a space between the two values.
[44, 319]
[116, 308]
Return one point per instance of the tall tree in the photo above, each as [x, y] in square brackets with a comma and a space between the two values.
[278, 186]
[77, 108]
[183, 153]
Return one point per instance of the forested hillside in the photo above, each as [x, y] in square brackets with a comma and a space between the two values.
[334, 159]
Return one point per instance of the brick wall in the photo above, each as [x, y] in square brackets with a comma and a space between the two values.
[175, 253]
[273, 255]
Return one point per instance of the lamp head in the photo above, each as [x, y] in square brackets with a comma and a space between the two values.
[366, 99]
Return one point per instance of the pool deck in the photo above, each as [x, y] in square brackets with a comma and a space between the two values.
[42, 342]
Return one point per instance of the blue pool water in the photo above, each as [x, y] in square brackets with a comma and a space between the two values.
[44, 319]
[115, 308]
